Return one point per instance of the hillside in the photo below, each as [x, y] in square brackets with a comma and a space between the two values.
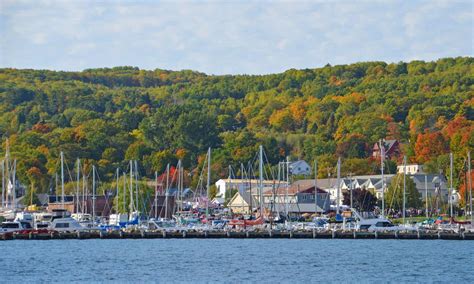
[108, 116]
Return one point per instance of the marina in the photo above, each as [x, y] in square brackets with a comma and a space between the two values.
[239, 235]
[265, 213]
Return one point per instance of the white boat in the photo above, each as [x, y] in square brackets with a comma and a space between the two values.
[14, 226]
[378, 224]
[66, 224]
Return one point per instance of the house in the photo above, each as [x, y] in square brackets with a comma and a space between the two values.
[103, 204]
[436, 185]
[225, 186]
[298, 198]
[300, 167]
[431, 184]
[410, 169]
[391, 149]
[242, 202]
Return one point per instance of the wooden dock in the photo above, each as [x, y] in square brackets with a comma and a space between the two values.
[240, 235]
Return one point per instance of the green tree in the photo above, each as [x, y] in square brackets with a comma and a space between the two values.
[394, 194]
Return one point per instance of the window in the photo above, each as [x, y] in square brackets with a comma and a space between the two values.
[62, 225]
[10, 226]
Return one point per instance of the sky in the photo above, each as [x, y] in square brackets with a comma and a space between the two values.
[229, 37]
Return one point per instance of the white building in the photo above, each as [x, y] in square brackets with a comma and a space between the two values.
[300, 167]
[412, 169]
[224, 186]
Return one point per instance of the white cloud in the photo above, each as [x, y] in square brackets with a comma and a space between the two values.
[229, 37]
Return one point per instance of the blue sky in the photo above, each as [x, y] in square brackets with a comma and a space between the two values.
[229, 37]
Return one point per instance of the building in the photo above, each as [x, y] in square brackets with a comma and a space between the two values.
[300, 167]
[241, 202]
[435, 185]
[411, 169]
[103, 204]
[225, 186]
[296, 199]
[391, 149]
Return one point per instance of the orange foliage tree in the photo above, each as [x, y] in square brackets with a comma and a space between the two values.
[429, 145]
[464, 190]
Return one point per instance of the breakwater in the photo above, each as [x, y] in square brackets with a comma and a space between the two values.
[241, 235]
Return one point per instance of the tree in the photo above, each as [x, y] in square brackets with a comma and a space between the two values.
[362, 199]
[394, 194]
[429, 145]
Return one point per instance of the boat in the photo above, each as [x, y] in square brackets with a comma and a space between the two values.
[66, 224]
[14, 226]
[378, 224]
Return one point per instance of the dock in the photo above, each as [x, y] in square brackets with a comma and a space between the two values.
[420, 235]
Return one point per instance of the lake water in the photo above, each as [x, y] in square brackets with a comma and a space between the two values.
[237, 260]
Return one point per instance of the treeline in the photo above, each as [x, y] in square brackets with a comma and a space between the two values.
[111, 115]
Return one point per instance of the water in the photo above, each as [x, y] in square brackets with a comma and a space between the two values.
[237, 260]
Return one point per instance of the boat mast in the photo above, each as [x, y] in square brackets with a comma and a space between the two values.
[315, 187]
[426, 195]
[83, 207]
[117, 190]
[3, 183]
[14, 184]
[352, 189]
[167, 189]
[181, 192]
[338, 193]
[469, 181]
[404, 185]
[93, 194]
[124, 175]
[230, 183]
[6, 175]
[287, 185]
[249, 178]
[136, 186]
[382, 164]
[451, 184]
[155, 203]
[131, 187]
[208, 183]
[62, 180]
[78, 178]
[260, 165]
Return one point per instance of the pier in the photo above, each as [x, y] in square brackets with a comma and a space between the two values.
[240, 235]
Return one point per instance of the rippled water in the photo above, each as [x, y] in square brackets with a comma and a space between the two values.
[237, 260]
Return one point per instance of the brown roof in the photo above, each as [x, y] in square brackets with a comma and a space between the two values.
[294, 189]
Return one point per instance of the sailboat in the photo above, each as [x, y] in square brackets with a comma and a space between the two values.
[260, 219]
[8, 207]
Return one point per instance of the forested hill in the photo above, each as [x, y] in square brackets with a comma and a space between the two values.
[108, 116]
